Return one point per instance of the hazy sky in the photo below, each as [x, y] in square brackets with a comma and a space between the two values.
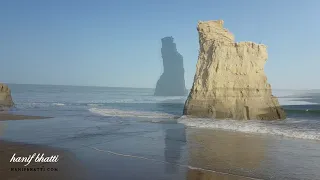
[117, 43]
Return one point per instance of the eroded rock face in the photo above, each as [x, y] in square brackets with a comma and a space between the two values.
[5, 97]
[171, 82]
[230, 81]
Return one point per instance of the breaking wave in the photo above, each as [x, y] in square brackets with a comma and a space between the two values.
[32, 105]
[288, 128]
[94, 104]
[140, 99]
[58, 104]
[295, 101]
[125, 113]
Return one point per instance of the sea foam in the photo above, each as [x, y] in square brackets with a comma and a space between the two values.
[260, 127]
[125, 113]
[58, 104]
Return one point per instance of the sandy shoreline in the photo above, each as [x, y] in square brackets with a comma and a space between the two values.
[5, 116]
[179, 152]
[66, 168]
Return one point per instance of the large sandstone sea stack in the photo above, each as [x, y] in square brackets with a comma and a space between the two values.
[5, 97]
[230, 82]
[171, 82]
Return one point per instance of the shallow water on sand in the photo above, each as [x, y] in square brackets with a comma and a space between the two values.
[121, 133]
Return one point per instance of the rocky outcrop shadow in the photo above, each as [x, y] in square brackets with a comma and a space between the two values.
[175, 140]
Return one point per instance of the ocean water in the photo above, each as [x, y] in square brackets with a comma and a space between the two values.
[127, 133]
[302, 108]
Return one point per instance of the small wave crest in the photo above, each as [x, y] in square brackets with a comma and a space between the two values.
[58, 104]
[94, 104]
[124, 113]
[32, 105]
[251, 127]
[295, 101]
[137, 99]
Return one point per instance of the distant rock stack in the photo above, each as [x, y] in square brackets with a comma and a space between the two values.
[230, 82]
[5, 97]
[171, 82]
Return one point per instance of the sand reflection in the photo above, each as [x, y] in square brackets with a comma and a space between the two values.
[236, 154]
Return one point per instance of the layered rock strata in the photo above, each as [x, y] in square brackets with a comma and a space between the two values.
[230, 82]
[5, 97]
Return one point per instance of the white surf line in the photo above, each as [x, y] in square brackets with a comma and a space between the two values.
[165, 162]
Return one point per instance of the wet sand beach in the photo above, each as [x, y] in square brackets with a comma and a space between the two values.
[196, 174]
[252, 155]
[157, 151]
[66, 168]
[4, 116]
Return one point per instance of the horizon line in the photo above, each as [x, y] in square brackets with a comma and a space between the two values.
[102, 86]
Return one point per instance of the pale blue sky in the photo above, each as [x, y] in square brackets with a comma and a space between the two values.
[117, 43]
